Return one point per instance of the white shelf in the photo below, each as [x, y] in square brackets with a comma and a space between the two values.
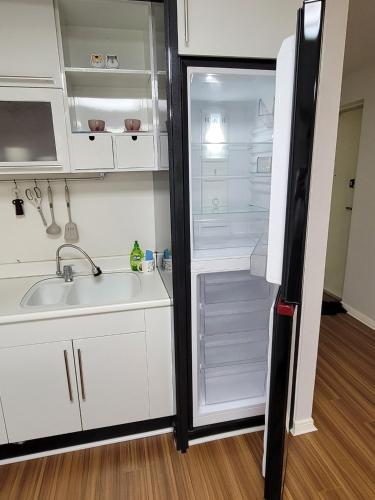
[98, 77]
[220, 177]
[104, 14]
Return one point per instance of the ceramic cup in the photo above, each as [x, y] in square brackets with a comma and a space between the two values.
[147, 266]
[96, 125]
[132, 124]
[112, 62]
[97, 60]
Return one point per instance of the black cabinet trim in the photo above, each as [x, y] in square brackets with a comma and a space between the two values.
[41, 445]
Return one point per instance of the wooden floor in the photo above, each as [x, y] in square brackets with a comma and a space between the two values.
[337, 462]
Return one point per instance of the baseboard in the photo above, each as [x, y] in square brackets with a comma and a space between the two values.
[359, 316]
[303, 427]
[85, 446]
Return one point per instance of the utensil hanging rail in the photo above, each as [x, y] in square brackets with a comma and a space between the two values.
[99, 177]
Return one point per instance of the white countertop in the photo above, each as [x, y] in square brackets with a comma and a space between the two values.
[12, 290]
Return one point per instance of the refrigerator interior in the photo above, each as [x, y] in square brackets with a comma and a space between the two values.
[233, 311]
[230, 135]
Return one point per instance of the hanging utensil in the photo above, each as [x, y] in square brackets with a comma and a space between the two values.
[17, 202]
[34, 195]
[53, 228]
[71, 230]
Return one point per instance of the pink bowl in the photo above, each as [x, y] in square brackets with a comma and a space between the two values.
[132, 124]
[96, 125]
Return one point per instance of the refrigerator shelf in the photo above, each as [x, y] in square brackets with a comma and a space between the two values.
[225, 210]
[236, 286]
[235, 322]
[223, 350]
[233, 383]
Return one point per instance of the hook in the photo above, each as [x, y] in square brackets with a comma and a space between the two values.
[65, 182]
[36, 184]
[15, 183]
[48, 182]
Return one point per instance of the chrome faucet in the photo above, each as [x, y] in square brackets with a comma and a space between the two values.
[67, 272]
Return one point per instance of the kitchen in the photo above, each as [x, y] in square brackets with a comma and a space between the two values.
[102, 79]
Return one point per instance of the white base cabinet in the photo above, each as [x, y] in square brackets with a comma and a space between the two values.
[3, 431]
[113, 369]
[112, 379]
[38, 391]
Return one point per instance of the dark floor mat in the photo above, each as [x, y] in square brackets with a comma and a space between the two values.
[332, 308]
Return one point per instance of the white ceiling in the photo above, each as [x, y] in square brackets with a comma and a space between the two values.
[360, 41]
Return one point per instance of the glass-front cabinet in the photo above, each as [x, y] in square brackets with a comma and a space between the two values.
[32, 130]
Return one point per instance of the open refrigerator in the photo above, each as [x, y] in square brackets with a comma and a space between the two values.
[240, 198]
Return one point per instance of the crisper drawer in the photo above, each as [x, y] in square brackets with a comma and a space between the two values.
[232, 287]
[235, 348]
[134, 152]
[231, 383]
[234, 321]
[91, 151]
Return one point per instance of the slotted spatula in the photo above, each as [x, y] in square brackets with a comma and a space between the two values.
[71, 230]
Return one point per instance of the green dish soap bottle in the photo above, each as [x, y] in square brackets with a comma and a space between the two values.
[136, 257]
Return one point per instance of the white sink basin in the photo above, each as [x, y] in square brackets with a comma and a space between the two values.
[105, 289]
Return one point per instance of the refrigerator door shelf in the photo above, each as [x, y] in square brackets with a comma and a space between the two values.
[280, 160]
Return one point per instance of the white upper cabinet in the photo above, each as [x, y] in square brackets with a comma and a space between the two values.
[33, 134]
[240, 28]
[28, 41]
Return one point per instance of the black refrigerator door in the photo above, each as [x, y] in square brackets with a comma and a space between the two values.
[283, 346]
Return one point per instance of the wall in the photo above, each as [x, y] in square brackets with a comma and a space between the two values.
[162, 211]
[319, 208]
[110, 214]
[359, 284]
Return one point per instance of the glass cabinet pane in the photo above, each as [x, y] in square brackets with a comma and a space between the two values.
[26, 132]
[230, 135]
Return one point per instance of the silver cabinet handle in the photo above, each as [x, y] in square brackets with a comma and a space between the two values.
[186, 18]
[83, 393]
[68, 375]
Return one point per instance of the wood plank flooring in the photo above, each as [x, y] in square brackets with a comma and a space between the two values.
[337, 462]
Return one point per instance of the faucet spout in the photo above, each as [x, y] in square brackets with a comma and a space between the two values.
[96, 271]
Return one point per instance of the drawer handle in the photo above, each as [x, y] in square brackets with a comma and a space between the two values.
[134, 137]
[92, 137]
[83, 392]
[68, 375]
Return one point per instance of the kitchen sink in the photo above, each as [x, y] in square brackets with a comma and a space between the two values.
[111, 288]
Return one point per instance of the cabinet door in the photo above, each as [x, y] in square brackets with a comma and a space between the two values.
[3, 432]
[91, 152]
[134, 152]
[32, 130]
[38, 391]
[28, 43]
[112, 374]
[240, 28]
